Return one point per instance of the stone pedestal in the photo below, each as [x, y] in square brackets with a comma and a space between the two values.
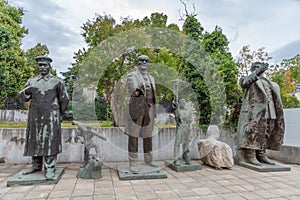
[183, 167]
[264, 167]
[36, 178]
[145, 172]
[92, 170]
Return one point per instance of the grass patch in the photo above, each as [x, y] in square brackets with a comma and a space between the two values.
[68, 124]
[95, 124]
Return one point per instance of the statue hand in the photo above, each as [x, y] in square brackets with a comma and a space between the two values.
[262, 69]
[28, 90]
[138, 92]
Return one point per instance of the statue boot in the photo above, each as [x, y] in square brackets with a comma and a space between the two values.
[186, 158]
[31, 170]
[177, 162]
[133, 167]
[262, 157]
[148, 157]
[50, 172]
[37, 163]
[251, 157]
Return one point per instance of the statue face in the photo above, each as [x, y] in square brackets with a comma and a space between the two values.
[44, 69]
[143, 63]
[182, 103]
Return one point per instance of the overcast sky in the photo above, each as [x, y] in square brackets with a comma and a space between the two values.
[273, 24]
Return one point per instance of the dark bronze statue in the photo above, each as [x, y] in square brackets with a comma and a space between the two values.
[141, 113]
[261, 122]
[92, 168]
[87, 133]
[48, 104]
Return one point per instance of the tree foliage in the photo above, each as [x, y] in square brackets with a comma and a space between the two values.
[38, 50]
[248, 56]
[102, 27]
[287, 76]
[13, 67]
[216, 45]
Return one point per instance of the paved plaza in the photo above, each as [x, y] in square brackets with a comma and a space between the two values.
[208, 183]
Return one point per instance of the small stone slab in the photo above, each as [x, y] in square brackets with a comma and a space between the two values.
[183, 167]
[264, 167]
[36, 178]
[145, 172]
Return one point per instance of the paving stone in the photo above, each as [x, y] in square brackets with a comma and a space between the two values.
[147, 196]
[232, 196]
[160, 187]
[37, 195]
[249, 195]
[167, 195]
[61, 194]
[185, 193]
[83, 192]
[104, 191]
[203, 191]
[104, 197]
[208, 183]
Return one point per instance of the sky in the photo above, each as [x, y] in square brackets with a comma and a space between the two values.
[273, 24]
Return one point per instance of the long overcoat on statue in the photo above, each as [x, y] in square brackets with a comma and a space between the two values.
[49, 101]
[139, 113]
[252, 125]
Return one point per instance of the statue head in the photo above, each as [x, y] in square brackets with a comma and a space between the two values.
[256, 65]
[143, 62]
[43, 64]
[213, 132]
[181, 103]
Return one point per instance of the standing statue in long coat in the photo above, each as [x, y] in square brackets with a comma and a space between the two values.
[49, 102]
[261, 122]
[141, 113]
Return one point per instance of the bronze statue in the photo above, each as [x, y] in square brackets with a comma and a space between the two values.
[183, 119]
[92, 168]
[87, 133]
[261, 121]
[49, 103]
[141, 113]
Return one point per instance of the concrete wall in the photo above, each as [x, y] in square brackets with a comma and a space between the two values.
[287, 154]
[290, 151]
[292, 127]
[12, 143]
[115, 148]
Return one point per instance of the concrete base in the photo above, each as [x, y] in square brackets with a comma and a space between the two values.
[183, 167]
[145, 172]
[264, 167]
[36, 178]
[93, 170]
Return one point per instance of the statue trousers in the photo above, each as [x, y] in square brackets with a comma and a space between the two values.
[135, 132]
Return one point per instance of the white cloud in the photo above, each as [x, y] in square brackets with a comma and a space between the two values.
[269, 23]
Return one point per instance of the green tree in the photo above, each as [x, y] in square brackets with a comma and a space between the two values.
[216, 43]
[293, 64]
[101, 28]
[13, 68]
[287, 76]
[192, 27]
[248, 56]
[38, 50]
